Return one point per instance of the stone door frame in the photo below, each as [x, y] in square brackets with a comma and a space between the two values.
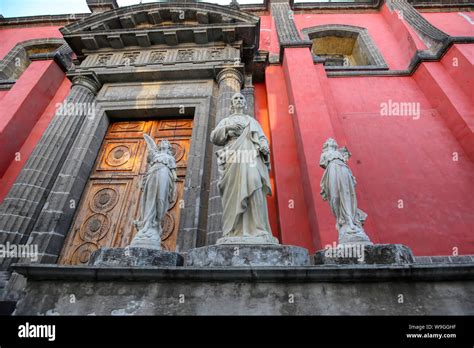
[184, 98]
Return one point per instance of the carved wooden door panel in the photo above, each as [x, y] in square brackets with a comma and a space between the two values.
[109, 204]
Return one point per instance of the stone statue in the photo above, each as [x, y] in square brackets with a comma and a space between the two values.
[338, 188]
[158, 189]
[244, 182]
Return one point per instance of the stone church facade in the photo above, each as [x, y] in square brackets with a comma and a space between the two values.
[392, 80]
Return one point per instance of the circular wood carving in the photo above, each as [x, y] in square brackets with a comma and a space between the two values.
[83, 253]
[104, 200]
[178, 151]
[175, 199]
[117, 156]
[94, 228]
[168, 226]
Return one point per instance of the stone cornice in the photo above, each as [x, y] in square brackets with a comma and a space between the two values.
[30, 21]
[341, 273]
[156, 13]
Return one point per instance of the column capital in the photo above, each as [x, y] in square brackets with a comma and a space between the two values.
[88, 81]
[230, 73]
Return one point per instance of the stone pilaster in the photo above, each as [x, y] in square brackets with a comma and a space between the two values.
[249, 93]
[229, 81]
[28, 196]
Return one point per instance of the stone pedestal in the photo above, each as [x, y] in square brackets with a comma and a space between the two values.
[354, 254]
[132, 256]
[247, 255]
[266, 239]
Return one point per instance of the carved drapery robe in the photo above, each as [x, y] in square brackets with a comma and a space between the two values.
[244, 178]
[338, 188]
[158, 191]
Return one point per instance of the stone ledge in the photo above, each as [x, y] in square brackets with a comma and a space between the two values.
[339, 273]
[378, 254]
[247, 255]
[134, 257]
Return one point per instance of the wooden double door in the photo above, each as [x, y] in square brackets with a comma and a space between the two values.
[109, 204]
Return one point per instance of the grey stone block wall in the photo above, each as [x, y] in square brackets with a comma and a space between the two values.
[53, 223]
[343, 290]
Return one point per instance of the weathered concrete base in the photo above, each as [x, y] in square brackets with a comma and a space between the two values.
[265, 239]
[132, 256]
[311, 290]
[397, 254]
[247, 255]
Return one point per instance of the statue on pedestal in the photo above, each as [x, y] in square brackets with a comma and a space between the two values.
[244, 182]
[338, 188]
[158, 189]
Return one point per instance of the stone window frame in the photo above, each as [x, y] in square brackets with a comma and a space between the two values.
[347, 31]
[17, 60]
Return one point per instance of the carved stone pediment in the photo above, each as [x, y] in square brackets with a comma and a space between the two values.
[170, 24]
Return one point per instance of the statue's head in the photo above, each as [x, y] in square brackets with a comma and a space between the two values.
[330, 144]
[165, 146]
[238, 103]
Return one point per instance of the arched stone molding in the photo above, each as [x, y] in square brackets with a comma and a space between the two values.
[20, 57]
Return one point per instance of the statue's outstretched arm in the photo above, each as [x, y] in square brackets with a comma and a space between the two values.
[151, 145]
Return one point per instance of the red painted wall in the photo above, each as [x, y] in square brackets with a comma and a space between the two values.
[452, 23]
[382, 33]
[27, 108]
[396, 157]
[22, 106]
[40, 126]
[10, 37]
[459, 64]
[414, 189]
[292, 207]
[261, 115]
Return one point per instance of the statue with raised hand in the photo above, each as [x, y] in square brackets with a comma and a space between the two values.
[158, 189]
[244, 182]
